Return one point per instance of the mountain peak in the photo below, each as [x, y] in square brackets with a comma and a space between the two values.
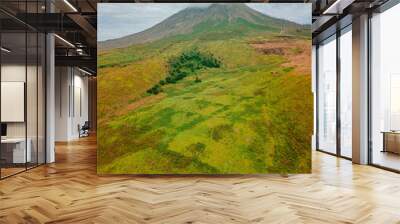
[231, 17]
[227, 5]
[215, 7]
[228, 8]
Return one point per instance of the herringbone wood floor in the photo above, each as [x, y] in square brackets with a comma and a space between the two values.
[69, 191]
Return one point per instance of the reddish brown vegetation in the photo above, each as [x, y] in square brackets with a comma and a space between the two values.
[298, 52]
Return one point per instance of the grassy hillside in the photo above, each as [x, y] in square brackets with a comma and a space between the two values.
[252, 115]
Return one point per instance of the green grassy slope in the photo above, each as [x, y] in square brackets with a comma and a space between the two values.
[252, 115]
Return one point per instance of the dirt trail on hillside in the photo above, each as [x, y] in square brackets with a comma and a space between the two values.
[142, 102]
[298, 52]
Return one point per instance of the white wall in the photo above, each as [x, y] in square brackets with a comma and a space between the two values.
[71, 102]
[80, 109]
[62, 81]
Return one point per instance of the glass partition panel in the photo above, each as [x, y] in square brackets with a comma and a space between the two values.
[314, 90]
[14, 153]
[22, 66]
[41, 98]
[385, 89]
[31, 98]
[346, 92]
[327, 95]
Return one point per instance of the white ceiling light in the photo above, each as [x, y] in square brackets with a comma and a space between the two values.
[65, 41]
[5, 50]
[86, 72]
[79, 51]
[70, 5]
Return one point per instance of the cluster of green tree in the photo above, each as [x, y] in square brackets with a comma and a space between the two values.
[188, 63]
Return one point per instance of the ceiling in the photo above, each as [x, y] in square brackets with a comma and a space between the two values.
[75, 22]
[328, 13]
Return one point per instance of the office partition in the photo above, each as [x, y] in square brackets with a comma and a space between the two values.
[385, 89]
[333, 80]
[15, 152]
[327, 95]
[22, 77]
[345, 53]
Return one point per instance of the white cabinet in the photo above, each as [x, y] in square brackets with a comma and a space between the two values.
[19, 155]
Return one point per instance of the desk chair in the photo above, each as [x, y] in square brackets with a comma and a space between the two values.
[84, 130]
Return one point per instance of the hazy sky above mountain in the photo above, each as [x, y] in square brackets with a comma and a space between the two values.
[121, 19]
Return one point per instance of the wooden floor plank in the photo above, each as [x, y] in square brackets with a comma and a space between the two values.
[69, 191]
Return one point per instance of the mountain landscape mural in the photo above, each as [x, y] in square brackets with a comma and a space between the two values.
[216, 89]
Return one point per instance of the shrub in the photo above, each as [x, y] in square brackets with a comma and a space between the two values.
[187, 63]
[170, 79]
[162, 82]
[155, 89]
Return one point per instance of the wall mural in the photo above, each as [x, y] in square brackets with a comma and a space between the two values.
[204, 88]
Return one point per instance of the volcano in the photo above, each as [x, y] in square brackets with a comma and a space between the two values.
[219, 19]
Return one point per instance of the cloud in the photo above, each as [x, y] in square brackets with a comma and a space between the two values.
[295, 12]
[121, 19]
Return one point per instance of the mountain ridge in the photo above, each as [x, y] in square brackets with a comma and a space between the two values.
[236, 16]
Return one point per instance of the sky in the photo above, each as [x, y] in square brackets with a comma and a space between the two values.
[121, 19]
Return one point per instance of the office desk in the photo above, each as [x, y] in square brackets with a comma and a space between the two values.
[391, 141]
[13, 150]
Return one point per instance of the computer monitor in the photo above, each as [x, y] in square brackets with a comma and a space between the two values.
[3, 129]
